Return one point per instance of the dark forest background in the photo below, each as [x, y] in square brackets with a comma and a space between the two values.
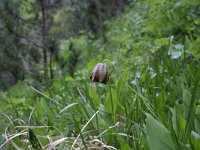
[32, 30]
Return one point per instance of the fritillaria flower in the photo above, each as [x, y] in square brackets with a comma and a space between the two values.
[100, 73]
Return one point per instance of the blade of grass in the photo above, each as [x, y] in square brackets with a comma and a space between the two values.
[55, 143]
[145, 100]
[44, 95]
[67, 107]
[191, 111]
[14, 136]
[112, 105]
[83, 129]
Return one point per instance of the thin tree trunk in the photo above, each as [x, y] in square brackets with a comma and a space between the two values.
[44, 36]
[50, 66]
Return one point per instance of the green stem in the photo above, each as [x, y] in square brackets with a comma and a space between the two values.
[145, 100]
[112, 105]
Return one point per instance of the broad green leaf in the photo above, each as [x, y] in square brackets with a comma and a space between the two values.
[161, 41]
[106, 117]
[94, 96]
[178, 122]
[197, 119]
[111, 101]
[174, 120]
[186, 100]
[38, 112]
[195, 140]
[124, 146]
[158, 137]
[17, 100]
[46, 109]
[181, 125]
[69, 79]
[195, 48]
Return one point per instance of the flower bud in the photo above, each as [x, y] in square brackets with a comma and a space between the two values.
[100, 73]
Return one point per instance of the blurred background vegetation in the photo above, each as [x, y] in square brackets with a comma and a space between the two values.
[49, 47]
[33, 30]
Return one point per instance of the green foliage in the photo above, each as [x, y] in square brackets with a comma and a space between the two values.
[87, 15]
[33, 140]
[158, 137]
[71, 52]
[152, 99]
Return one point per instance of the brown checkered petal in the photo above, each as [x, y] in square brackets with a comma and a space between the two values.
[100, 73]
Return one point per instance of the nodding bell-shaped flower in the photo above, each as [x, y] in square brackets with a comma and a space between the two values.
[100, 73]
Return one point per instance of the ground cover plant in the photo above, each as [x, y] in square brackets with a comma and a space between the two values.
[150, 101]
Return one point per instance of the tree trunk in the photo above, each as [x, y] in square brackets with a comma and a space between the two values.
[50, 66]
[44, 36]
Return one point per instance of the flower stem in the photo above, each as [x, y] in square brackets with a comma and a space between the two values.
[111, 98]
[145, 100]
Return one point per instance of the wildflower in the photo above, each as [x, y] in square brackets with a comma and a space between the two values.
[100, 73]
